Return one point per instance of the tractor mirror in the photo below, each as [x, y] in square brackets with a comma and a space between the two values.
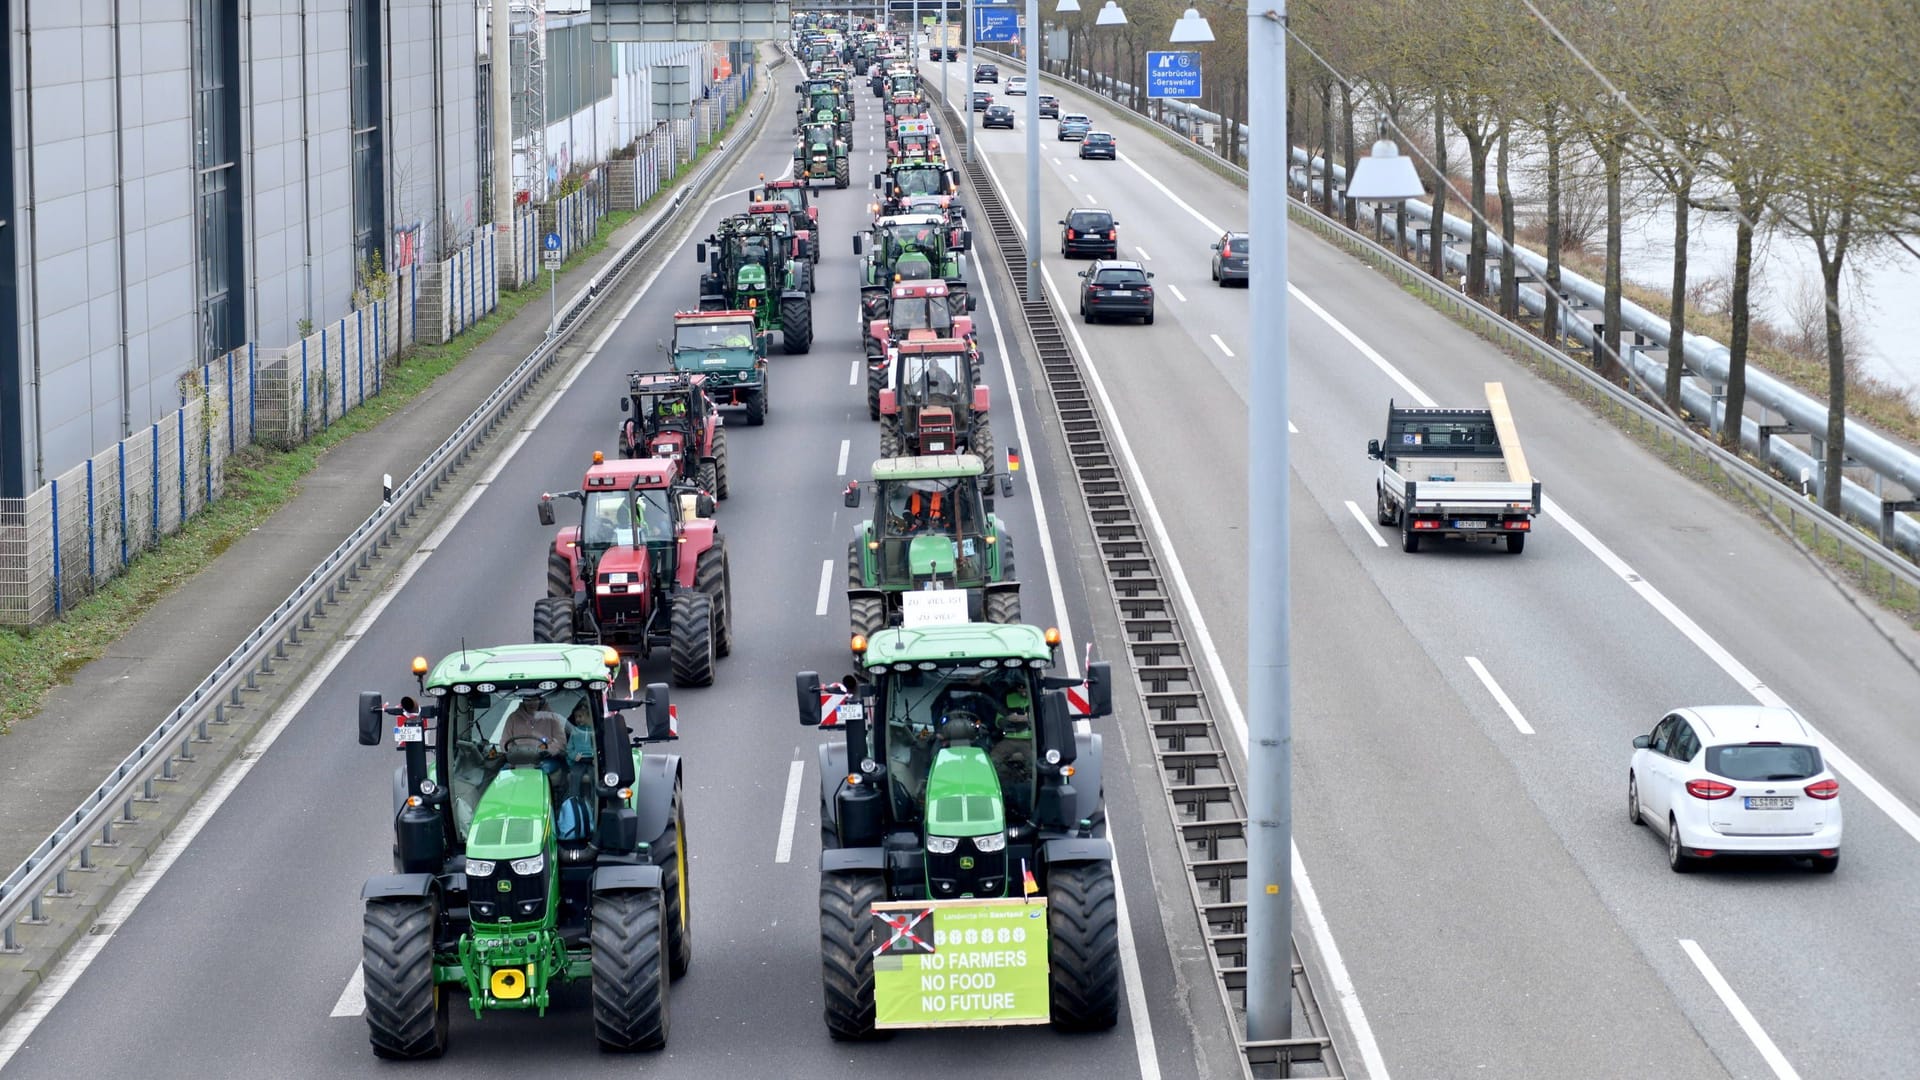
[614, 745]
[660, 722]
[1099, 689]
[625, 405]
[370, 724]
[806, 695]
[856, 243]
[851, 496]
[700, 252]
[966, 239]
[1056, 729]
[1006, 485]
[546, 511]
[879, 181]
[703, 505]
[1373, 448]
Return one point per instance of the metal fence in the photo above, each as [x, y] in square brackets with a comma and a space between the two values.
[469, 285]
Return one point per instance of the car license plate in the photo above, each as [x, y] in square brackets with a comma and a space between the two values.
[1469, 524]
[1769, 802]
[1120, 292]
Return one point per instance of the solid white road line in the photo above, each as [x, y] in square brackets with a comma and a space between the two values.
[846, 445]
[1221, 344]
[1499, 695]
[353, 1000]
[77, 960]
[783, 851]
[1741, 1014]
[826, 584]
[1177, 294]
[1144, 257]
[1354, 508]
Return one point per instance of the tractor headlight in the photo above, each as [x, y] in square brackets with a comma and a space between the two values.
[942, 845]
[990, 843]
[529, 867]
[479, 867]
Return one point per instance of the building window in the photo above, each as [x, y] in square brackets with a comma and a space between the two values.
[369, 175]
[216, 63]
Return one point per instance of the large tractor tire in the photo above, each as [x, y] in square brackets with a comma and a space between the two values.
[676, 884]
[693, 648]
[866, 615]
[721, 488]
[406, 1012]
[892, 443]
[847, 944]
[553, 620]
[1083, 931]
[980, 444]
[876, 382]
[559, 575]
[803, 275]
[1003, 607]
[757, 405]
[796, 324]
[842, 174]
[711, 576]
[629, 974]
[707, 477]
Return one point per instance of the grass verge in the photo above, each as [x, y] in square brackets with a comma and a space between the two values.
[259, 481]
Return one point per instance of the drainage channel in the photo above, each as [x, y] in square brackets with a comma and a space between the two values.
[1203, 794]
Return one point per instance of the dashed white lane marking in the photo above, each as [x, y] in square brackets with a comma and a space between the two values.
[1178, 295]
[826, 584]
[1499, 696]
[1775, 1060]
[1221, 344]
[1359, 516]
[846, 446]
[783, 851]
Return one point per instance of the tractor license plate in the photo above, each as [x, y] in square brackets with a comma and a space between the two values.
[852, 710]
[407, 733]
[1769, 802]
[1469, 524]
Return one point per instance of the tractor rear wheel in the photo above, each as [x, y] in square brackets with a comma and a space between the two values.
[1083, 931]
[891, 441]
[674, 884]
[707, 476]
[693, 644]
[867, 615]
[1003, 607]
[980, 444]
[757, 405]
[876, 382]
[842, 174]
[796, 324]
[406, 1012]
[847, 944]
[710, 577]
[720, 485]
[629, 979]
[553, 620]
[559, 575]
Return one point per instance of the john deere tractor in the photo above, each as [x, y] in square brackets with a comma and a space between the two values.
[536, 843]
[644, 567]
[750, 267]
[933, 530]
[966, 877]
[802, 216]
[826, 106]
[907, 247]
[728, 356]
[821, 154]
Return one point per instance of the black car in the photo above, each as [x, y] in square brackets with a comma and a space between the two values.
[1050, 106]
[998, 116]
[1099, 144]
[981, 99]
[986, 73]
[1089, 232]
[1230, 258]
[1116, 288]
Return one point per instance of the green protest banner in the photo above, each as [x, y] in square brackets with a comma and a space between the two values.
[960, 963]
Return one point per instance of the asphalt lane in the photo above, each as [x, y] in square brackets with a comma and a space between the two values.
[1498, 913]
[237, 959]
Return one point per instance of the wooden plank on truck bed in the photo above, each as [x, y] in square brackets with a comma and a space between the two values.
[1517, 470]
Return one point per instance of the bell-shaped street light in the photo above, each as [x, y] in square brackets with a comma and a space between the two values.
[1191, 28]
[1067, 7]
[1385, 175]
[1111, 15]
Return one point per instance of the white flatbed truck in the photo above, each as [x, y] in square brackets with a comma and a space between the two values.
[1455, 473]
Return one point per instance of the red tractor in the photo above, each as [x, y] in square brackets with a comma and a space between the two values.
[935, 403]
[672, 417]
[805, 216]
[645, 567]
[918, 310]
[903, 107]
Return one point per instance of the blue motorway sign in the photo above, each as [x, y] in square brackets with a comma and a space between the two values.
[996, 23]
[1173, 74]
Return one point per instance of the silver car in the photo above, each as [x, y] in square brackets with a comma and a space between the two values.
[1230, 258]
[1073, 126]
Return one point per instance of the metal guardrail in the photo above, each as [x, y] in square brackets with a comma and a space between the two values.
[43, 875]
[1198, 782]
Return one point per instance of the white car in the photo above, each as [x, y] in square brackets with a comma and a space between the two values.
[1016, 85]
[1735, 780]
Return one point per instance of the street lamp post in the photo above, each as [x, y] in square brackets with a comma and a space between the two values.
[973, 26]
[1033, 43]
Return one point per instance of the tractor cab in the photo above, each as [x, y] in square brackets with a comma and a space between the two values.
[728, 354]
[931, 530]
[777, 219]
[934, 399]
[915, 178]
[792, 192]
[672, 416]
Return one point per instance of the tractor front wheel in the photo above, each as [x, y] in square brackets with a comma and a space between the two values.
[1083, 931]
[796, 324]
[842, 174]
[847, 945]
[867, 615]
[1003, 607]
[553, 620]
[693, 644]
[710, 577]
[629, 979]
[757, 405]
[406, 1012]
[674, 884]
[720, 486]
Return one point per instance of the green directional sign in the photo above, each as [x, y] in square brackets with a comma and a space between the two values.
[960, 963]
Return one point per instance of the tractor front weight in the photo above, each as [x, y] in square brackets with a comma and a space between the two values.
[514, 970]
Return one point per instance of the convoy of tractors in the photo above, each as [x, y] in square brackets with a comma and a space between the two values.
[965, 874]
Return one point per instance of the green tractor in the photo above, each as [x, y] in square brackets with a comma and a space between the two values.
[966, 877]
[907, 247]
[933, 530]
[536, 843]
[751, 266]
[729, 354]
[821, 155]
[826, 106]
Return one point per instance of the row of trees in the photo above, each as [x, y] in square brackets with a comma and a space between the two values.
[1794, 116]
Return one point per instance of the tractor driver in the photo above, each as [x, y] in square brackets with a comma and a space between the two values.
[738, 338]
[535, 734]
[611, 523]
[668, 409]
[1012, 752]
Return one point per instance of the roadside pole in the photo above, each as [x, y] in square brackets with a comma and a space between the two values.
[1032, 41]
